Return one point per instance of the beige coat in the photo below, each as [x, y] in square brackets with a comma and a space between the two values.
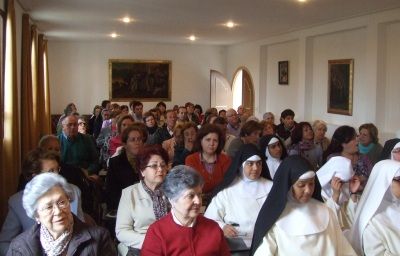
[135, 215]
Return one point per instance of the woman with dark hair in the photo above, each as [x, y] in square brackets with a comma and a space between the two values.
[163, 113]
[152, 128]
[274, 151]
[142, 203]
[302, 138]
[184, 231]
[115, 142]
[344, 143]
[198, 110]
[95, 122]
[369, 143]
[342, 155]
[294, 220]
[209, 160]
[182, 150]
[122, 170]
[249, 133]
[239, 197]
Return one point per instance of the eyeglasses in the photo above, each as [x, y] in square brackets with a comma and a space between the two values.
[82, 123]
[155, 167]
[49, 209]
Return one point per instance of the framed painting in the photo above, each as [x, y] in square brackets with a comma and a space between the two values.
[340, 86]
[283, 72]
[142, 80]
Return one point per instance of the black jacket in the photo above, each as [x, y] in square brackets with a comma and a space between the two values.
[86, 240]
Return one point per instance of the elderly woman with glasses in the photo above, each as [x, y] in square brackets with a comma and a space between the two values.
[142, 203]
[57, 231]
[37, 161]
[184, 231]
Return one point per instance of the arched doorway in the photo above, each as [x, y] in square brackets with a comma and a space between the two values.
[243, 90]
[223, 95]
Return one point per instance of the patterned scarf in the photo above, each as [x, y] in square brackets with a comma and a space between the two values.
[55, 247]
[306, 145]
[160, 203]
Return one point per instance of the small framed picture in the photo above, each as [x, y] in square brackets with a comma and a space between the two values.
[283, 72]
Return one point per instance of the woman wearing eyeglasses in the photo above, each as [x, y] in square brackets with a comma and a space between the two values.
[241, 194]
[143, 203]
[57, 231]
[37, 161]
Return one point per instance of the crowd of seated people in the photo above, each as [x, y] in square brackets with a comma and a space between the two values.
[154, 172]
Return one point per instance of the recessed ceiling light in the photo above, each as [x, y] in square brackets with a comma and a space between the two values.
[114, 35]
[126, 19]
[230, 24]
[302, 1]
[192, 38]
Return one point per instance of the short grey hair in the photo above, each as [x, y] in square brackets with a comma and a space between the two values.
[38, 186]
[179, 179]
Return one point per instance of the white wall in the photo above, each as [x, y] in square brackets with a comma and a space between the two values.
[373, 41]
[79, 71]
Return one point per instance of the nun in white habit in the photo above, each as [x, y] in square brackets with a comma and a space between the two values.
[239, 197]
[275, 152]
[376, 229]
[339, 189]
[395, 153]
[294, 220]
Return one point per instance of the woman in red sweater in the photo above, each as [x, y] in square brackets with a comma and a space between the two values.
[208, 158]
[184, 231]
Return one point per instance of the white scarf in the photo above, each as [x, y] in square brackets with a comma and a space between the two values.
[299, 219]
[251, 188]
[377, 200]
[272, 162]
[395, 146]
[340, 167]
[54, 247]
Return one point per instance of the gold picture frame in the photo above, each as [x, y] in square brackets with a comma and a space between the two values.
[143, 80]
[340, 86]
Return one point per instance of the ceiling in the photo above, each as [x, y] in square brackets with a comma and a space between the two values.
[173, 21]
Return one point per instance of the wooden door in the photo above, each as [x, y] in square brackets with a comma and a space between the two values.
[220, 90]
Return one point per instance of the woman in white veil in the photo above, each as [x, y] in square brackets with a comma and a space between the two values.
[376, 229]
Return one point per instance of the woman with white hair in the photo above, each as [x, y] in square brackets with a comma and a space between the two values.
[376, 229]
[319, 127]
[57, 231]
[184, 231]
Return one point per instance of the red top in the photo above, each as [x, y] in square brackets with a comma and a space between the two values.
[166, 238]
[211, 180]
